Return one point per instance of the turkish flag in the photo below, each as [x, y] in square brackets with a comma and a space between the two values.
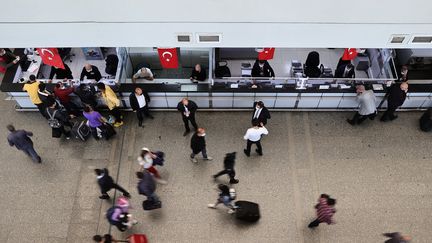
[266, 54]
[50, 56]
[349, 54]
[168, 57]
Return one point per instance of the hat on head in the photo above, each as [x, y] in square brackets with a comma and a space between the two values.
[145, 149]
[122, 202]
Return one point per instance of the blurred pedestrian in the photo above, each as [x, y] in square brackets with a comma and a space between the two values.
[147, 160]
[119, 215]
[229, 163]
[107, 183]
[147, 186]
[324, 210]
[253, 136]
[198, 145]
[226, 196]
[188, 108]
[21, 140]
[397, 237]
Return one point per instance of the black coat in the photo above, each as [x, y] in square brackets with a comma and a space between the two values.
[264, 115]
[396, 96]
[192, 107]
[340, 72]
[426, 122]
[229, 161]
[197, 143]
[200, 76]
[93, 74]
[106, 182]
[61, 73]
[87, 95]
[266, 71]
[134, 101]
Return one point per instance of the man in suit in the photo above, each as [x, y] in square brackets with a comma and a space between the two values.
[395, 98]
[21, 140]
[139, 101]
[198, 145]
[107, 183]
[261, 113]
[345, 71]
[262, 69]
[229, 163]
[60, 73]
[91, 72]
[188, 109]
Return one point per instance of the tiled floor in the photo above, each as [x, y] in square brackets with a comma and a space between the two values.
[381, 175]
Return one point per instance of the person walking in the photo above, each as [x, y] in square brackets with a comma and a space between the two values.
[106, 183]
[147, 186]
[188, 108]
[95, 121]
[253, 136]
[198, 145]
[119, 215]
[32, 88]
[367, 106]
[226, 196]
[147, 161]
[260, 113]
[324, 210]
[22, 141]
[229, 163]
[58, 119]
[395, 98]
[397, 237]
[139, 101]
[113, 103]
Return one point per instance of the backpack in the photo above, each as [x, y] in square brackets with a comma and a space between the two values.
[109, 214]
[52, 121]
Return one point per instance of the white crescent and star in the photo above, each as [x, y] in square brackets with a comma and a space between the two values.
[50, 52]
[167, 53]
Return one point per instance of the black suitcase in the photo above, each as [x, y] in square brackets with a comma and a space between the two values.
[81, 131]
[247, 211]
[108, 131]
[150, 205]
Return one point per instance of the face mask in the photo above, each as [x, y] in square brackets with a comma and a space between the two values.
[257, 107]
[202, 135]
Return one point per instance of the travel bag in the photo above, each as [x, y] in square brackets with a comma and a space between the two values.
[108, 131]
[247, 211]
[80, 130]
[137, 238]
[150, 205]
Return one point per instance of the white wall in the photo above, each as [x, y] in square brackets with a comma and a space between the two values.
[281, 23]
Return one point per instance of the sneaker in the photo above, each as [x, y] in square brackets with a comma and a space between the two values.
[104, 197]
[39, 159]
[231, 211]
[208, 158]
[234, 181]
[118, 124]
[211, 205]
[245, 152]
[256, 150]
[160, 181]
[194, 160]
[67, 138]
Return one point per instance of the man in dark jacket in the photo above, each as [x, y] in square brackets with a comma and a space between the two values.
[107, 183]
[262, 69]
[345, 71]
[7, 59]
[261, 113]
[198, 145]
[426, 121]
[139, 101]
[188, 109]
[91, 72]
[61, 117]
[396, 97]
[87, 95]
[147, 185]
[198, 74]
[60, 73]
[229, 162]
[21, 140]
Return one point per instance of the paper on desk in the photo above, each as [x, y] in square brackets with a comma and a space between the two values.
[343, 86]
[33, 67]
[377, 87]
[234, 86]
[324, 86]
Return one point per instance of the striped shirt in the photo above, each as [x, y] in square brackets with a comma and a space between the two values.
[324, 211]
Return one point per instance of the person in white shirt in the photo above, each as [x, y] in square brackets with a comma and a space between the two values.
[253, 136]
[145, 73]
[139, 101]
[367, 106]
[146, 160]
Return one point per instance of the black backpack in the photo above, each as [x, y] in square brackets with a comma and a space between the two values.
[109, 214]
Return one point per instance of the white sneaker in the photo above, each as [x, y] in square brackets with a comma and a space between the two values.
[208, 158]
[194, 160]
[134, 222]
[160, 181]
[230, 211]
[211, 205]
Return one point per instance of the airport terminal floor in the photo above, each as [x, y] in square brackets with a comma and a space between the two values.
[380, 174]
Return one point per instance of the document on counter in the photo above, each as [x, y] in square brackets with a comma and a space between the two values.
[343, 86]
[377, 87]
[234, 86]
[324, 86]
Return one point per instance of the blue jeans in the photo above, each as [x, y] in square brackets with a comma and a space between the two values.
[203, 151]
[153, 197]
[32, 153]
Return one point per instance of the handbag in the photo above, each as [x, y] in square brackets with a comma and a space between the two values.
[160, 159]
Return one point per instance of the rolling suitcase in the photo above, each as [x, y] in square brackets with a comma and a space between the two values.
[247, 211]
[137, 238]
[108, 131]
[80, 130]
[150, 205]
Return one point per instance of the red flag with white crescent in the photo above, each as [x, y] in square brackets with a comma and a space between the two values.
[349, 54]
[168, 57]
[266, 54]
[50, 56]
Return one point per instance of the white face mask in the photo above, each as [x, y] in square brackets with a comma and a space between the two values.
[257, 107]
[202, 135]
[261, 65]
